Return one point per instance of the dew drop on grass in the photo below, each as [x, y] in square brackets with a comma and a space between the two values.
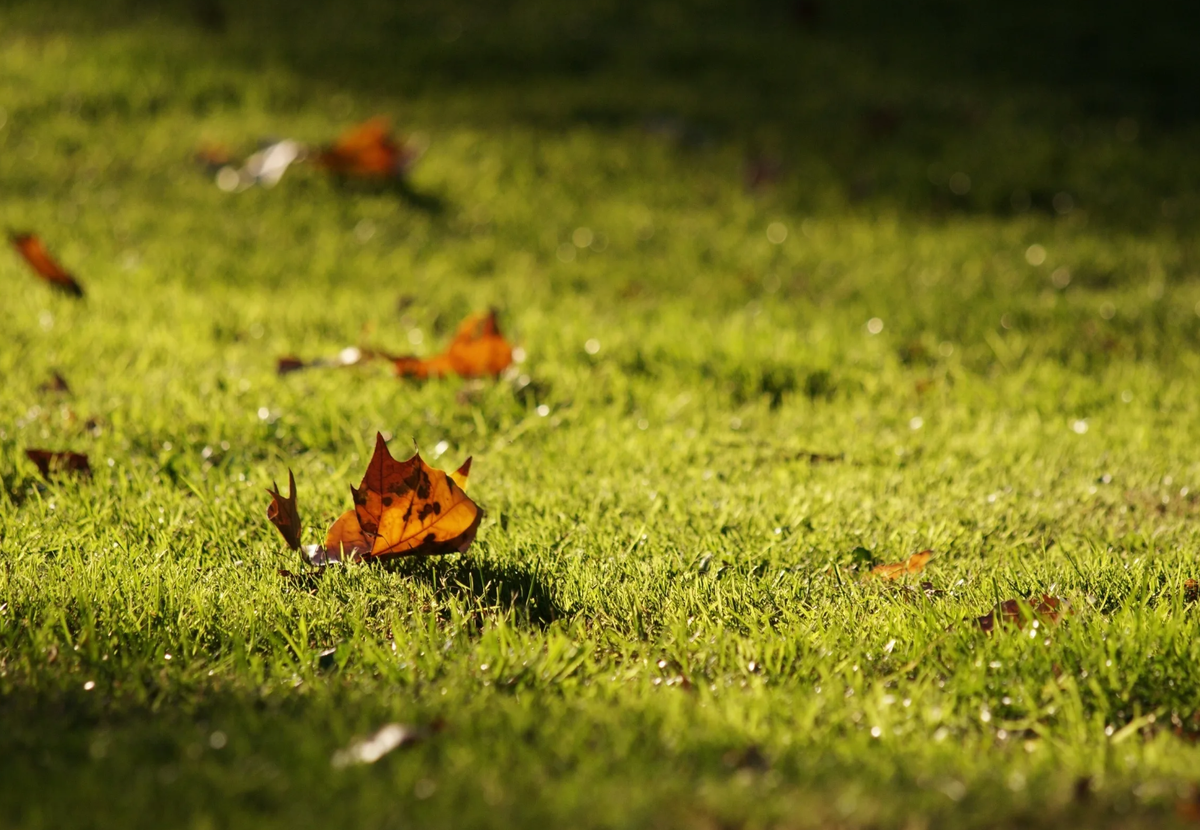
[874, 325]
[1035, 254]
[592, 346]
[777, 233]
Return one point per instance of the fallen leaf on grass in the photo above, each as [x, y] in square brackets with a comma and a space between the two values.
[284, 514]
[367, 151]
[897, 570]
[51, 463]
[1018, 611]
[212, 157]
[1191, 590]
[405, 509]
[477, 350]
[31, 248]
[56, 384]
[401, 508]
[371, 749]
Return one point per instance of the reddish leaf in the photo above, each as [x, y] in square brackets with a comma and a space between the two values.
[35, 253]
[477, 350]
[367, 151]
[51, 463]
[1017, 611]
[1191, 590]
[284, 514]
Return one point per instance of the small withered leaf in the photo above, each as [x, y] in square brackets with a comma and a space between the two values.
[51, 463]
[30, 247]
[898, 570]
[284, 513]
[1018, 612]
[288, 364]
[57, 383]
[477, 350]
[367, 151]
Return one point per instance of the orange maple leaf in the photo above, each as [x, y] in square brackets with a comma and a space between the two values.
[34, 252]
[896, 570]
[477, 350]
[405, 508]
[401, 508]
[367, 151]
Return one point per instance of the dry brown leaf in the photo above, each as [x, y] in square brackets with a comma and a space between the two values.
[45, 266]
[1018, 611]
[477, 350]
[51, 463]
[898, 570]
[57, 383]
[284, 514]
[367, 151]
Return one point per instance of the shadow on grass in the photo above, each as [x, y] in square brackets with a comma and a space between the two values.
[402, 190]
[511, 588]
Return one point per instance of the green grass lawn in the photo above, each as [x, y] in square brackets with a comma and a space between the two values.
[663, 621]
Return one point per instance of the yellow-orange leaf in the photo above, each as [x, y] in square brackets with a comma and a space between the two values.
[405, 508]
[284, 514]
[897, 570]
[477, 350]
